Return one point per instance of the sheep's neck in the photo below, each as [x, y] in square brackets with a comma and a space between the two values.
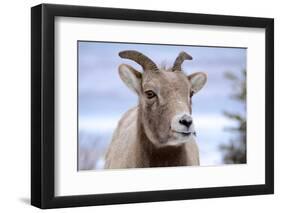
[151, 156]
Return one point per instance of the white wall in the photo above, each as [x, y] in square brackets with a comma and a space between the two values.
[15, 105]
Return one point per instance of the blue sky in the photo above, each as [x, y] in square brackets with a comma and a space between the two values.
[103, 97]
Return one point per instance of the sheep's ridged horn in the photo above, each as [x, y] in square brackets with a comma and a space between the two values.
[141, 59]
[179, 60]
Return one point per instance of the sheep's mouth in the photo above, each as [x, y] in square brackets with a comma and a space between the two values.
[186, 133]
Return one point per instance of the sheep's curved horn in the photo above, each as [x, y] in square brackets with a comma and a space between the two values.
[179, 60]
[141, 59]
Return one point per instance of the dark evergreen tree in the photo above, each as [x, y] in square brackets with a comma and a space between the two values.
[235, 150]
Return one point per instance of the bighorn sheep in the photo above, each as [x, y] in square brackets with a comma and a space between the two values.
[159, 132]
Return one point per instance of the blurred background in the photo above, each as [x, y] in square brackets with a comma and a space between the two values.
[219, 109]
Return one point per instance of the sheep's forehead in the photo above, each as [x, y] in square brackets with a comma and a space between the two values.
[166, 80]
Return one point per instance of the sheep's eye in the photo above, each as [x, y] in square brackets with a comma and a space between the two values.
[150, 94]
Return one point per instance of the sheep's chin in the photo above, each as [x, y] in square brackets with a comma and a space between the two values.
[177, 142]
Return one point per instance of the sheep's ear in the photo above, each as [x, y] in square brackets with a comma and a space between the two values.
[197, 80]
[131, 77]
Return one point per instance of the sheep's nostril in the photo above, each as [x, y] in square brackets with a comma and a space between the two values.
[185, 122]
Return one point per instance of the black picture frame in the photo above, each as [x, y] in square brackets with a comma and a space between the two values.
[43, 102]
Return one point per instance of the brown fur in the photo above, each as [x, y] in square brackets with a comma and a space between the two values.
[139, 152]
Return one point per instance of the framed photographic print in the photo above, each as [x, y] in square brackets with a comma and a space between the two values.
[140, 106]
